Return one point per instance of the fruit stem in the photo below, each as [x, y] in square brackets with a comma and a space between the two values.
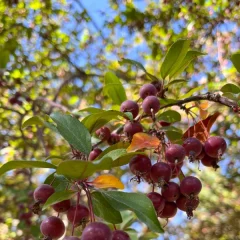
[73, 226]
[114, 226]
[85, 188]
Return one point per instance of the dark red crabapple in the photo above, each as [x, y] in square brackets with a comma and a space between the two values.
[43, 192]
[158, 85]
[62, 206]
[25, 216]
[103, 133]
[140, 165]
[147, 90]
[13, 100]
[187, 205]
[215, 146]
[164, 123]
[71, 238]
[52, 228]
[171, 192]
[147, 178]
[114, 138]
[120, 235]
[202, 154]
[157, 200]
[96, 231]
[130, 128]
[82, 214]
[190, 186]
[94, 153]
[193, 147]
[169, 210]
[175, 153]
[209, 161]
[176, 168]
[151, 105]
[161, 173]
[130, 106]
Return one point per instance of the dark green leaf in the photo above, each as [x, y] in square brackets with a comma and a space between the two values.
[170, 116]
[231, 88]
[58, 182]
[235, 58]
[139, 203]
[35, 120]
[114, 88]
[167, 101]
[24, 164]
[176, 81]
[138, 65]
[190, 56]
[97, 120]
[174, 135]
[174, 57]
[58, 197]
[90, 110]
[73, 131]
[191, 92]
[104, 210]
[83, 169]
[5, 57]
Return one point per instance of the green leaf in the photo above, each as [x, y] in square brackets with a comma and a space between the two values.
[104, 210]
[170, 116]
[235, 58]
[128, 218]
[97, 120]
[173, 135]
[138, 65]
[83, 169]
[174, 57]
[58, 182]
[24, 164]
[190, 56]
[114, 88]
[176, 81]
[167, 101]
[35, 120]
[148, 236]
[58, 197]
[73, 131]
[139, 203]
[191, 92]
[231, 88]
[120, 157]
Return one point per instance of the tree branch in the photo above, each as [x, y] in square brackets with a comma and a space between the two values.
[212, 97]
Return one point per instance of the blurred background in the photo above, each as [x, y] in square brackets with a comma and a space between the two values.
[53, 56]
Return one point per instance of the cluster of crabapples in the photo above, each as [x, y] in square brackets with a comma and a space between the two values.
[168, 166]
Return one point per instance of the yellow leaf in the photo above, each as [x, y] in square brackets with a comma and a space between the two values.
[143, 140]
[107, 181]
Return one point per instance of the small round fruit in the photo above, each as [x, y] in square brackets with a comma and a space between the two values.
[190, 186]
[140, 165]
[171, 192]
[130, 106]
[151, 105]
[158, 85]
[187, 205]
[193, 147]
[176, 168]
[175, 153]
[157, 200]
[43, 192]
[71, 238]
[169, 210]
[79, 212]
[215, 146]
[103, 133]
[52, 227]
[120, 235]
[13, 100]
[202, 154]
[209, 161]
[114, 138]
[96, 231]
[94, 153]
[147, 90]
[130, 128]
[62, 206]
[161, 173]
